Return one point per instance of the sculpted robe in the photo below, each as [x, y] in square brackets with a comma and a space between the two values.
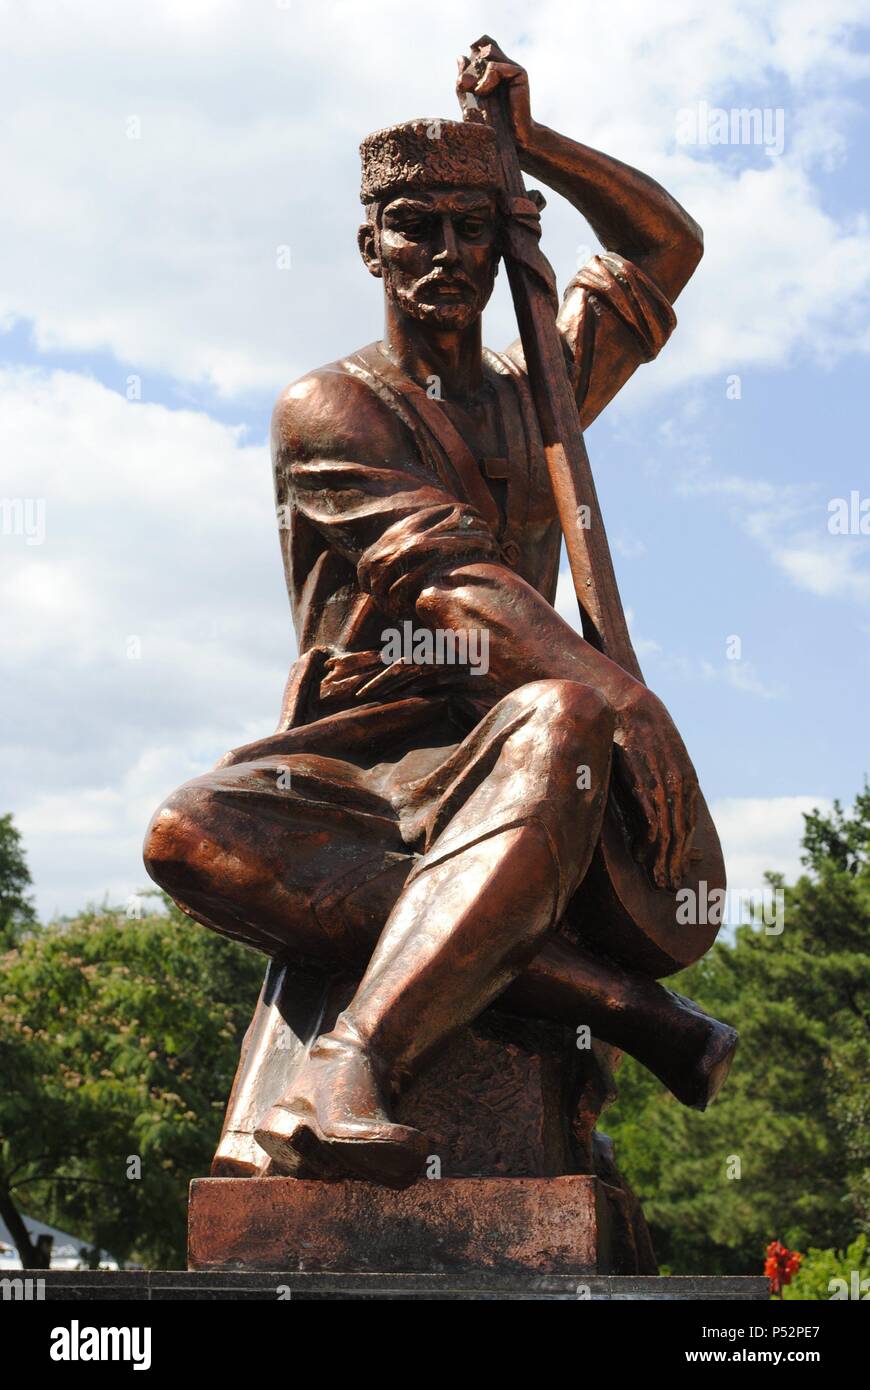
[370, 764]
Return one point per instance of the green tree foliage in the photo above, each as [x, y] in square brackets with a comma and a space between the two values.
[16, 909]
[794, 1116]
[119, 1039]
[833, 1274]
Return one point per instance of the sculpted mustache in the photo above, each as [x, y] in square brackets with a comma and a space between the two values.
[438, 277]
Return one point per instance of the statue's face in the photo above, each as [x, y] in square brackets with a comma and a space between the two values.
[438, 254]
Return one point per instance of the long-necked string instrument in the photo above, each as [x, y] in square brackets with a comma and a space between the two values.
[624, 913]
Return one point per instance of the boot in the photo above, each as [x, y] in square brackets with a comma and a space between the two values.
[687, 1049]
[335, 1122]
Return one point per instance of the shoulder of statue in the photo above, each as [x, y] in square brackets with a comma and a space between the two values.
[331, 410]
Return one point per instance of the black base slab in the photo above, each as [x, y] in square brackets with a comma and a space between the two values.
[83, 1286]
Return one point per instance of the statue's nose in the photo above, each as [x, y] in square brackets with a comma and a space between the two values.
[448, 252]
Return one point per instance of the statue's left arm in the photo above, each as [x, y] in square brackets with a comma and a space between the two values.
[616, 312]
[629, 212]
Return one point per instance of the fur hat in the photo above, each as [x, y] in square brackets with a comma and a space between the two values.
[428, 153]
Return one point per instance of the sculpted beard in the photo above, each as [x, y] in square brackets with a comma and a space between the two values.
[418, 297]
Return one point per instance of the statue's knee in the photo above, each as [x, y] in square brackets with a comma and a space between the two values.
[173, 837]
[587, 708]
[570, 707]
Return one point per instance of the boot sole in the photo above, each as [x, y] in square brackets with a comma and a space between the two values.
[294, 1139]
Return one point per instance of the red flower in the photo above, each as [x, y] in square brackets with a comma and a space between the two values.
[780, 1266]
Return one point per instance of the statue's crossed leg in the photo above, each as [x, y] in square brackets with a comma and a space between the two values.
[318, 870]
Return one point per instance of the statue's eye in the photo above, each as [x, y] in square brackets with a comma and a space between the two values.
[414, 228]
[472, 227]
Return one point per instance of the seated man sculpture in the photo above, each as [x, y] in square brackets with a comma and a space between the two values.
[428, 820]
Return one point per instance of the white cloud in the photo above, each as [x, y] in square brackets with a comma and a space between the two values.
[743, 676]
[629, 547]
[790, 522]
[828, 566]
[565, 602]
[160, 527]
[791, 525]
[162, 249]
[763, 833]
[740, 674]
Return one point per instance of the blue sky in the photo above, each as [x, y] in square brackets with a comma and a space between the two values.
[155, 257]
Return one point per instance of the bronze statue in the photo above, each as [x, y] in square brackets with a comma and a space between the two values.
[465, 802]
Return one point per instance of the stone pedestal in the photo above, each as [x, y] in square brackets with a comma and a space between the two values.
[517, 1178]
[568, 1225]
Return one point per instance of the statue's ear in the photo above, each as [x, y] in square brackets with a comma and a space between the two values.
[365, 239]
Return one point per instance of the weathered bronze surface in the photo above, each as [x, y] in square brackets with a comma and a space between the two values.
[569, 1225]
[468, 811]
